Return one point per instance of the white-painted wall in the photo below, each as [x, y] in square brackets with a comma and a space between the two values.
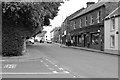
[108, 33]
[119, 34]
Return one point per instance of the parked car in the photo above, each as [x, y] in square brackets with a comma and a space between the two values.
[41, 41]
[49, 41]
[30, 41]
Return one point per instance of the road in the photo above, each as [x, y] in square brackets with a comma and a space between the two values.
[51, 60]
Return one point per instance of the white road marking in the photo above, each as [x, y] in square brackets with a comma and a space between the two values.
[74, 76]
[46, 59]
[51, 62]
[61, 69]
[10, 66]
[66, 71]
[56, 65]
[55, 72]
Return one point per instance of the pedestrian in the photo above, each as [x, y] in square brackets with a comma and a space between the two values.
[66, 42]
[71, 42]
[61, 43]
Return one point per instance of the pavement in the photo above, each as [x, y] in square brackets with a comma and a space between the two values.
[33, 64]
[86, 49]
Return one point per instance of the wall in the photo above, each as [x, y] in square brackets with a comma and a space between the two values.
[119, 35]
[93, 13]
[107, 33]
[0, 29]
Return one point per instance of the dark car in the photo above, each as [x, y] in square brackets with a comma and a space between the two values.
[41, 41]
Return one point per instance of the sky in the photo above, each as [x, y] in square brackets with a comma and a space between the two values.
[66, 9]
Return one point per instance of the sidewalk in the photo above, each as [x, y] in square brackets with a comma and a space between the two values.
[86, 49]
[25, 56]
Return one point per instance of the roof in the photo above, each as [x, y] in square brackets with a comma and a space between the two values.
[75, 13]
[90, 8]
[72, 15]
[115, 13]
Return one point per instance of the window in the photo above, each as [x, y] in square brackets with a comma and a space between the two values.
[80, 39]
[91, 21]
[99, 16]
[95, 38]
[74, 25]
[112, 42]
[86, 21]
[113, 24]
[80, 23]
[71, 23]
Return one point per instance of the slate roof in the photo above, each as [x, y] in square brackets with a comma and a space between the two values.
[116, 12]
[75, 13]
[90, 8]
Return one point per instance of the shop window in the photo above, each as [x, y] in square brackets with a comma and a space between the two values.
[95, 38]
[113, 24]
[112, 42]
[80, 39]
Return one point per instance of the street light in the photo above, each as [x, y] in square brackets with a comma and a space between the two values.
[98, 30]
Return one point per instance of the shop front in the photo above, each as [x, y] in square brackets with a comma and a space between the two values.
[94, 37]
[89, 37]
[64, 39]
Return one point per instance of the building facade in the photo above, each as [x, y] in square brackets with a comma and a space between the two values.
[112, 32]
[55, 34]
[66, 27]
[87, 27]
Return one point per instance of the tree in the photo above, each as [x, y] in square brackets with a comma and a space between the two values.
[21, 20]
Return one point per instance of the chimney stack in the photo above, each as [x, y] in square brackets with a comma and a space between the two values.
[90, 3]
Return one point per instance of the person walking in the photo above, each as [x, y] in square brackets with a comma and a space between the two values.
[66, 42]
[71, 42]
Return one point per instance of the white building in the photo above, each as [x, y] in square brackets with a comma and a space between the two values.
[112, 32]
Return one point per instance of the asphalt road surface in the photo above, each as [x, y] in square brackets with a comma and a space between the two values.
[52, 61]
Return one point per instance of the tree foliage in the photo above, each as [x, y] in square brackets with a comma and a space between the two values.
[29, 15]
[21, 20]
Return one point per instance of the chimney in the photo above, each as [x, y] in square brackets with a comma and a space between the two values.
[90, 3]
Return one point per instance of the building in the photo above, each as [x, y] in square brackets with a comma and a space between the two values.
[87, 27]
[55, 34]
[66, 27]
[112, 32]
[41, 36]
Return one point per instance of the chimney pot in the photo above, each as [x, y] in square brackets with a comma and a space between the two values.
[90, 3]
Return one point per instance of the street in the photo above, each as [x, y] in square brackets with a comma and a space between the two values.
[52, 61]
